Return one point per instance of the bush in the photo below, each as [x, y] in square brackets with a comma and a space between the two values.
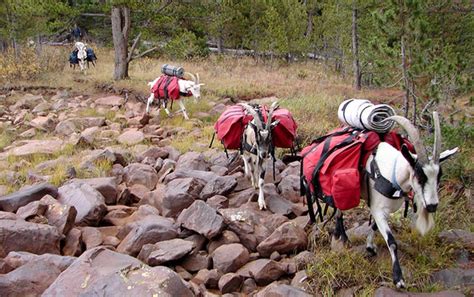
[23, 65]
[185, 45]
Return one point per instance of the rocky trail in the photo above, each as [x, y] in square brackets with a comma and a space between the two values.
[132, 215]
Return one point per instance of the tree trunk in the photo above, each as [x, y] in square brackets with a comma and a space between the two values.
[120, 17]
[355, 48]
[406, 102]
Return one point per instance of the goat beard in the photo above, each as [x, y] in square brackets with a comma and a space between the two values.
[424, 221]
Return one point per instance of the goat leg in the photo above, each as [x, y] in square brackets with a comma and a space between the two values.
[261, 171]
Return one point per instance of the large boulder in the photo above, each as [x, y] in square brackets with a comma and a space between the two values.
[107, 186]
[202, 218]
[219, 185]
[151, 229]
[31, 147]
[180, 194]
[282, 290]
[289, 188]
[89, 203]
[26, 195]
[287, 238]
[17, 259]
[143, 174]
[101, 272]
[131, 137]
[192, 161]
[29, 237]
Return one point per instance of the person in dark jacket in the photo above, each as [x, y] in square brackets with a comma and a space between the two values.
[76, 33]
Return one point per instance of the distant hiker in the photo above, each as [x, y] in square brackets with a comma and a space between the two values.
[76, 33]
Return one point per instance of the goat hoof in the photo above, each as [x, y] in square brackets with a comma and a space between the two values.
[400, 284]
[371, 251]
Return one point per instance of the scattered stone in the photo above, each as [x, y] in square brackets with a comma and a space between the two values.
[237, 199]
[230, 282]
[192, 161]
[208, 278]
[454, 277]
[289, 188]
[91, 237]
[230, 257]
[151, 229]
[286, 238]
[110, 101]
[300, 281]
[45, 124]
[89, 203]
[218, 202]
[28, 133]
[202, 218]
[388, 292]
[263, 271]
[131, 137]
[17, 259]
[226, 237]
[72, 243]
[165, 251]
[142, 174]
[107, 186]
[249, 286]
[65, 128]
[282, 290]
[32, 209]
[463, 237]
[220, 185]
[180, 194]
[303, 259]
[26, 195]
[196, 261]
[21, 235]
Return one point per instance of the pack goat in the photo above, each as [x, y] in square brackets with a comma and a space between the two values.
[406, 172]
[185, 86]
[81, 54]
[257, 146]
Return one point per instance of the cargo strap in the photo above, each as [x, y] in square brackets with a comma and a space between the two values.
[391, 190]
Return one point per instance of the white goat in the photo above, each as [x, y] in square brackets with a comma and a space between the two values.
[185, 86]
[81, 54]
[257, 146]
[405, 172]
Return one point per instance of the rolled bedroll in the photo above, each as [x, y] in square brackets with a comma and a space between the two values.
[362, 114]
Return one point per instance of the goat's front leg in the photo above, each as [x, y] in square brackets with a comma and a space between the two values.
[381, 220]
[183, 109]
[246, 167]
[149, 102]
[168, 113]
[340, 231]
[261, 173]
[371, 247]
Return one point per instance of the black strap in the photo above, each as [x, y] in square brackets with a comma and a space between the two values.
[212, 139]
[344, 109]
[360, 117]
[383, 185]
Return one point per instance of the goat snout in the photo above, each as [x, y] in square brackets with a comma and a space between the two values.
[431, 208]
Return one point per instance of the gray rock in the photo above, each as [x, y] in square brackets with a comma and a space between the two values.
[230, 282]
[202, 218]
[388, 292]
[218, 202]
[208, 278]
[107, 186]
[72, 243]
[131, 137]
[32, 209]
[463, 237]
[59, 215]
[220, 185]
[196, 261]
[237, 199]
[226, 237]
[110, 101]
[289, 188]
[454, 277]
[17, 259]
[263, 271]
[91, 237]
[26, 195]
[192, 161]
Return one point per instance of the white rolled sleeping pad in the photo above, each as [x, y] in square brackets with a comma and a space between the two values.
[362, 114]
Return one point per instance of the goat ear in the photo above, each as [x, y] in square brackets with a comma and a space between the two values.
[408, 156]
[447, 154]
[202, 84]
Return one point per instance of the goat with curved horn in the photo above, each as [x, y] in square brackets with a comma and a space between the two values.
[437, 138]
[254, 113]
[270, 114]
[193, 77]
[413, 135]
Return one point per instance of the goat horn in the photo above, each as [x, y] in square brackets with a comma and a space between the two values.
[255, 115]
[270, 114]
[197, 76]
[192, 76]
[414, 136]
[437, 138]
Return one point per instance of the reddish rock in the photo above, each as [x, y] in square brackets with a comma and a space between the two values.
[72, 245]
[155, 153]
[142, 174]
[192, 161]
[300, 280]
[102, 272]
[219, 185]
[88, 202]
[91, 237]
[237, 199]
[17, 259]
[165, 251]
[107, 186]
[59, 215]
[230, 257]
[276, 203]
[226, 237]
[110, 101]
[196, 261]
[388, 292]
[303, 259]
[208, 278]
[21, 236]
[230, 282]
[131, 137]
[202, 218]
[282, 290]
[263, 271]
[218, 202]
[463, 237]
[180, 194]
[154, 198]
[12, 202]
[289, 188]
[31, 147]
[35, 208]
[286, 238]
[151, 229]
[4, 215]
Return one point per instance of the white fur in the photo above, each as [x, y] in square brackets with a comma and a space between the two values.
[81, 54]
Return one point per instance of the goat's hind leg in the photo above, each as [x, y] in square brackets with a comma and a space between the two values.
[382, 224]
[261, 181]
[183, 109]
[149, 102]
[340, 231]
[371, 247]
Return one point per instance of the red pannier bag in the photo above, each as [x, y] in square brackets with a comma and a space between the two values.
[230, 126]
[284, 134]
[166, 87]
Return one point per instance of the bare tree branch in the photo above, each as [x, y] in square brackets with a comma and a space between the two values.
[134, 45]
[90, 14]
[144, 53]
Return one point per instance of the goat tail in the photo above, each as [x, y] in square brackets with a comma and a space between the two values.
[424, 221]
